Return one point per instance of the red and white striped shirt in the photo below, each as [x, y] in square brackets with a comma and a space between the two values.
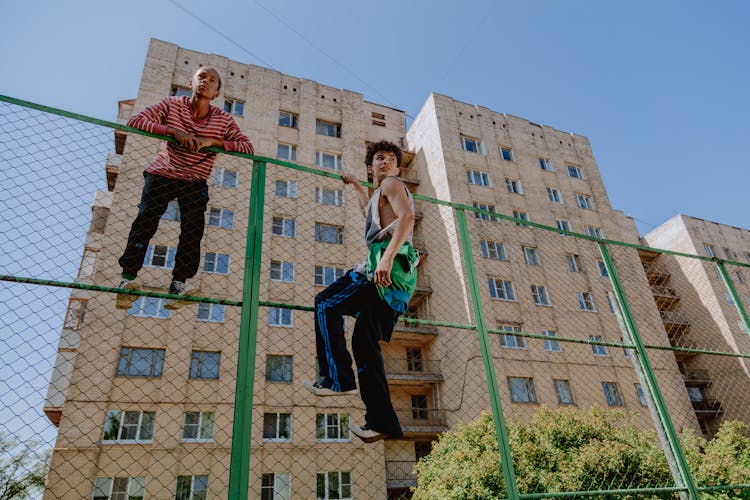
[175, 162]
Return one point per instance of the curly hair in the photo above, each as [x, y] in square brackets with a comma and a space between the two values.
[385, 147]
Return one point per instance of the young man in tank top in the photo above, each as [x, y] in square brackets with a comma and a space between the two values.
[389, 223]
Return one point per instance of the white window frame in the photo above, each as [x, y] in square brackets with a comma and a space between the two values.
[319, 233]
[221, 218]
[541, 295]
[531, 255]
[135, 488]
[323, 127]
[595, 232]
[141, 305]
[279, 317]
[284, 225]
[514, 186]
[140, 426]
[478, 178]
[563, 225]
[554, 195]
[292, 119]
[612, 394]
[279, 426]
[212, 262]
[574, 262]
[558, 383]
[487, 208]
[508, 292]
[210, 313]
[598, 350]
[224, 177]
[284, 363]
[286, 189]
[286, 152]
[510, 340]
[160, 256]
[574, 171]
[471, 144]
[335, 196]
[282, 271]
[323, 273]
[493, 250]
[505, 149]
[528, 395]
[156, 364]
[321, 156]
[205, 426]
[520, 215]
[332, 424]
[641, 395]
[172, 211]
[546, 165]
[194, 494]
[200, 357]
[585, 201]
[602, 269]
[551, 344]
[342, 484]
[234, 106]
[586, 301]
[280, 487]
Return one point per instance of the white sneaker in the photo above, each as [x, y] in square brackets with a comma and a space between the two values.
[124, 300]
[180, 288]
[365, 433]
[320, 390]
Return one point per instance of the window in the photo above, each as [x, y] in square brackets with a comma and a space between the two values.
[531, 255]
[221, 176]
[180, 91]
[641, 395]
[574, 263]
[333, 197]
[278, 368]
[191, 488]
[221, 217]
[172, 212]
[198, 426]
[486, 208]
[470, 144]
[598, 350]
[546, 165]
[513, 185]
[550, 344]
[136, 362]
[610, 303]
[540, 294]
[709, 250]
[204, 364]
[330, 129]
[149, 307]
[506, 153]
[419, 409]
[729, 254]
[282, 271]
[119, 488]
[574, 171]
[602, 269]
[328, 233]
[332, 427]
[287, 119]
[585, 201]
[75, 314]
[234, 107]
[88, 264]
[739, 278]
[160, 256]
[281, 226]
[493, 250]
[286, 152]
[286, 189]
[275, 486]
[612, 394]
[334, 484]
[325, 275]
[563, 392]
[563, 225]
[216, 263]
[331, 161]
[501, 289]
[522, 390]
[730, 299]
[129, 426]
[554, 195]
[478, 178]
[595, 232]
[213, 313]
[414, 362]
[280, 317]
[695, 394]
[521, 216]
[277, 427]
[586, 301]
[510, 340]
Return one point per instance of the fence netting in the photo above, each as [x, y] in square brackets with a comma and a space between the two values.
[595, 368]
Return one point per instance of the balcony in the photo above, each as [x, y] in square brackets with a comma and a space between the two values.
[408, 331]
[400, 474]
[666, 298]
[707, 408]
[657, 274]
[696, 378]
[410, 176]
[418, 422]
[112, 168]
[401, 371]
[682, 341]
[674, 323]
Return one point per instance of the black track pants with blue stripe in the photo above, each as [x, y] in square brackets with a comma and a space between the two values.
[353, 295]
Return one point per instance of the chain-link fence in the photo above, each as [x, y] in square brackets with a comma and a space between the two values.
[202, 398]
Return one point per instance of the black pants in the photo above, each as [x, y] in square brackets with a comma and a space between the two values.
[192, 197]
[353, 295]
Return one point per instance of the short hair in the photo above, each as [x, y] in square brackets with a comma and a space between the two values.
[210, 68]
[385, 147]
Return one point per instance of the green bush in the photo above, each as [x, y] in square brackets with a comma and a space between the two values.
[573, 450]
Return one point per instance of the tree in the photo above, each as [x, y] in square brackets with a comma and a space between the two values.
[574, 450]
[22, 468]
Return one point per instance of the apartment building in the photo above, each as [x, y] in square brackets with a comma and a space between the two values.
[144, 399]
[699, 313]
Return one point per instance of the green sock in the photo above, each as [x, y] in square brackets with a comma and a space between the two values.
[127, 276]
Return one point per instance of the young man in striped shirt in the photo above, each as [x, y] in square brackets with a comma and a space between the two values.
[179, 171]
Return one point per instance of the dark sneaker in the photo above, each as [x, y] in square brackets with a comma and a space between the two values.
[366, 434]
[321, 389]
[124, 300]
[179, 288]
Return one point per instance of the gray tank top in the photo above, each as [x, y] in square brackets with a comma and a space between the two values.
[373, 230]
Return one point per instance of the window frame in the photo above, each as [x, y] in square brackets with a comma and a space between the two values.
[283, 224]
[198, 362]
[478, 178]
[221, 217]
[192, 493]
[210, 313]
[339, 197]
[281, 271]
[199, 427]
[293, 119]
[140, 427]
[236, 106]
[554, 195]
[529, 390]
[279, 428]
[156, 363]
[510, 340]
[327, 128]
[466, 140]
[285, 189]
[340, 428]
[514, 186]
[558, 393]
[291, 151]
[586, 301]
[213, 262]
[490, 247]
[280, 318]
[540, 295]
[285, 368]
[551, 344]
[322, 271]
[319, 233]
[507, 287]
[612, 394]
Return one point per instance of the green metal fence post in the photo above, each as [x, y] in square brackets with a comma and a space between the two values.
[685, 476]
[735, 296]
[239, 467]
[501, 432]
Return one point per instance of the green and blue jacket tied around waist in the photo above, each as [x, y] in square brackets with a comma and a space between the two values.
[403, 274]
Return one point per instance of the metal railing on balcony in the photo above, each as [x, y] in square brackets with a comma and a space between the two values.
[400, 471]
[708, 407]
[416, 418]
[696, 377]
[656, 273]
[666, 298]
[423, 369]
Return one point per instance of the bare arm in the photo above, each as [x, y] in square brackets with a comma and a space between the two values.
[395, 193]
[362, 197]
